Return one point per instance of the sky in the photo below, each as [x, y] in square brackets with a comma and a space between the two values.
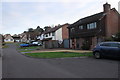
[16, 16]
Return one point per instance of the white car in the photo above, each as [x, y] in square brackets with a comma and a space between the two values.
[36, 44]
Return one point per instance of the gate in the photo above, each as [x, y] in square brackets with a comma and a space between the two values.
[66, 43]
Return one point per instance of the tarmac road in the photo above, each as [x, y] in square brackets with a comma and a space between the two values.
[16, 65]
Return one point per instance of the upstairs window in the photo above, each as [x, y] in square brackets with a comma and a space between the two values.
[72, 29]
[81, 27]
[91, 25]
[46, 35]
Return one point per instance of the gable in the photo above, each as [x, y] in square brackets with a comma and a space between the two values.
[8, 37]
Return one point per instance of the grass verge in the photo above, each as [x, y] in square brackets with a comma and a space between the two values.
[32, 47]
[5, 46]
[58, 54]
[28, 49]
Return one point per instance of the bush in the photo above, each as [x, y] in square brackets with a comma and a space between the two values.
[117, 37]
[85, 46]
[109, 39]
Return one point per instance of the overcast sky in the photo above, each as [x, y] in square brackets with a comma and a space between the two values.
[19, 15]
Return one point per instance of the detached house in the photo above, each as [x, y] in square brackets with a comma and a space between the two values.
[8, 38]
[55, 37]
[88, 31]
[23, 37]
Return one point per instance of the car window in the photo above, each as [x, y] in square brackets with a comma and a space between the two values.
[105, 44]
[115, 45]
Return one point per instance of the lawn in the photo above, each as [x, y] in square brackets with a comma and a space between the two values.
[28, 49]
[31, 47]
[58, 54]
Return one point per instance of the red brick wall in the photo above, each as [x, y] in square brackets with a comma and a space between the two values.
[119, 23]
[111, 23]
[65, 34]
[94, 42]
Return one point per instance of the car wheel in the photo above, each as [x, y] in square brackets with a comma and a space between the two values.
[97, 55]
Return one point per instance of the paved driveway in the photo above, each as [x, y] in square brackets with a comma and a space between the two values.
[16, 65]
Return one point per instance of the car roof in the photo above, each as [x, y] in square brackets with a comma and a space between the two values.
[109, 42]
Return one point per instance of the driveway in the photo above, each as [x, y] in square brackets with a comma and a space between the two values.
[16, 65]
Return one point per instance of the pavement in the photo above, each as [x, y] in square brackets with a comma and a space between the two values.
[60, 50]
[16, 65]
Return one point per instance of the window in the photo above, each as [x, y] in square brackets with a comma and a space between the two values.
[81, 27]
[72, 29]
[46, 35]
[91, 25]
[53, 33]
[11, 39]
[105, 44]
[110, 44]
[115, 45]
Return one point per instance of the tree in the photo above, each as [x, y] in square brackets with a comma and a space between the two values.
[38, 29]
[30, 30]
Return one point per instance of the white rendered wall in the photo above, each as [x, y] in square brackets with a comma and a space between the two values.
[58, 34]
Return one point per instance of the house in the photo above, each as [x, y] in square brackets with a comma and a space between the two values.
[16, 38]
[8, 38]
[87, 32]
[23, 37]
[31, 34]
[55, 37]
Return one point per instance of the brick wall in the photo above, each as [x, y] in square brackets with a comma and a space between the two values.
[65, 34]
[94, 42]
[111, 23]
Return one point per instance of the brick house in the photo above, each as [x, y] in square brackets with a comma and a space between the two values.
[55, 37]
[95, 28]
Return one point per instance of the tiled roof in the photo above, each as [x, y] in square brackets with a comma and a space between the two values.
[54, 28]
[88, 19]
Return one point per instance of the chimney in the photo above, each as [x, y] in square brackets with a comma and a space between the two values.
[106, 7]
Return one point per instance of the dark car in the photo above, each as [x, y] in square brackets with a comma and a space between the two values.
[107, 49]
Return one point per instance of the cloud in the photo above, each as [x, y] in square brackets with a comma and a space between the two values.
[19, 15]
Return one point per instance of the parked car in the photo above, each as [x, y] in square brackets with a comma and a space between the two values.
[24, 45]
[36, 44]
[30, 44]
[107, 49]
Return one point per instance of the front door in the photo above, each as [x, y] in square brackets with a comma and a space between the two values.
[87, 43]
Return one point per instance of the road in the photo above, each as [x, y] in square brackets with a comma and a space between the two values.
[16, 65]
